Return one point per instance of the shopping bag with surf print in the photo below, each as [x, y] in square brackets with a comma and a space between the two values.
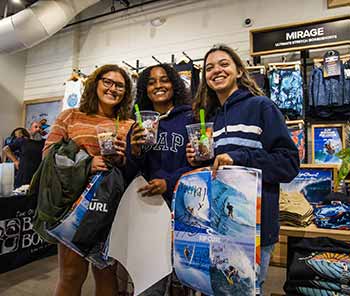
[216, 225]
[86, 227]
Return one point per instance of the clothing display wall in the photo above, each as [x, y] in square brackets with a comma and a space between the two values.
[329, 96]
[286, 90]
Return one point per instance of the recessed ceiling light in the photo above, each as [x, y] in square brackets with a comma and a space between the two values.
[17, 1]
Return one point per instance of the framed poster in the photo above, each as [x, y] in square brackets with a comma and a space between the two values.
[327, 141]
[44, 111]
[313, 181]
[297, 133]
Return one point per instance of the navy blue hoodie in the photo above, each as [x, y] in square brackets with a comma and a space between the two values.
[167, 159]
[252, 131]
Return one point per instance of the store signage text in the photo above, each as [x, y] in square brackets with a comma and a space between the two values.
[300, 36]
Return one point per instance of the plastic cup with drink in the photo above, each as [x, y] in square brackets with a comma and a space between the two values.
[149, 120]
[202, 144]
[106, 135]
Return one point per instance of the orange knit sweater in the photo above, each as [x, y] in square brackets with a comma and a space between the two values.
[81, 128]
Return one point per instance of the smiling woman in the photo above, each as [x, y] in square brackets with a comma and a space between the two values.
[107, 96]
[161, 89]
[249, 130]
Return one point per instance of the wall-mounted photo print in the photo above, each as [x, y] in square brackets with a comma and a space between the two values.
[327, 141]
[313, 181]
[43, 111]
[297, 133]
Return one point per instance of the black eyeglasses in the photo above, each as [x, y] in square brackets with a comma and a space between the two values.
[108, 83]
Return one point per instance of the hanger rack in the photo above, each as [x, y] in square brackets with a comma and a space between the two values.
[285, 65]
[262, 69]
[76, 75]
[158, 61]
[290, 122]
[137, 68]
[191, 60]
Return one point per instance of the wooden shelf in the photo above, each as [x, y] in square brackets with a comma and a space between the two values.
[313, 231]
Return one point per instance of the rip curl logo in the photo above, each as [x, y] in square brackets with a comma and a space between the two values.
[10, 230]
[98, 206]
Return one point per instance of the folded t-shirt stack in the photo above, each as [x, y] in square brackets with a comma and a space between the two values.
[318, 266]
[333, 212]
[295, 210]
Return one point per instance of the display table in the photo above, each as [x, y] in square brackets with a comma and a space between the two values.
[279, 256]
[19, 244]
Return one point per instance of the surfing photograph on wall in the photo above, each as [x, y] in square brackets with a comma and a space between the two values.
[216, 224]
[314, 182]
[327, 141]
[297, 134]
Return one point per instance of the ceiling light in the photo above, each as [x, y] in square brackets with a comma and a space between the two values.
[17, 1]
[158, 21]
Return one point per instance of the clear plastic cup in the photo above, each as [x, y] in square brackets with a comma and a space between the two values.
[150, 122]
[204, 148]
[106, 135]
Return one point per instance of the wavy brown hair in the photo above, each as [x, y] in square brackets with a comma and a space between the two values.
[89, 99]
[207, 99]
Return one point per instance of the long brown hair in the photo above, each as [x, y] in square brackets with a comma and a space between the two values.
[89, 99]
[206, 97]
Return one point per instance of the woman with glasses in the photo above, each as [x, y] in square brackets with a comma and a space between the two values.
[250, 131]
[107, 96]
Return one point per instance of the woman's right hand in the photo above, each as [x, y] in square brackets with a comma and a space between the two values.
[98, 164]
[190, 155]
[137, 139]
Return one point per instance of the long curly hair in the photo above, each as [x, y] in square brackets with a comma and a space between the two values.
[181, 93]
[207, 99]
[89, 99]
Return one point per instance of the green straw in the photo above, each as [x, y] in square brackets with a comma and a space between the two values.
[117, 124]
[138, 115]
[204, 136]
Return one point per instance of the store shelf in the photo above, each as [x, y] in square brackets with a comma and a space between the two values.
[313, 231]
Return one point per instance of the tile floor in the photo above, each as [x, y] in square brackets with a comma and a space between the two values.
[38, 279]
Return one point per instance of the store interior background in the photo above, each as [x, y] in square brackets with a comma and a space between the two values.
[190, 26]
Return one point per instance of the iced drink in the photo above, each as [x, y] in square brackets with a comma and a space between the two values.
[150, 121]
[106, 137]
[203, 146]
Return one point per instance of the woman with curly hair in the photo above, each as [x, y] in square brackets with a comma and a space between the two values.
[107, 96]
[161, 89]
[249, 130]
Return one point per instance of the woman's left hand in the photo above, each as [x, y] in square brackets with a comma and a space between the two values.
[155, 186]
[221, 159]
